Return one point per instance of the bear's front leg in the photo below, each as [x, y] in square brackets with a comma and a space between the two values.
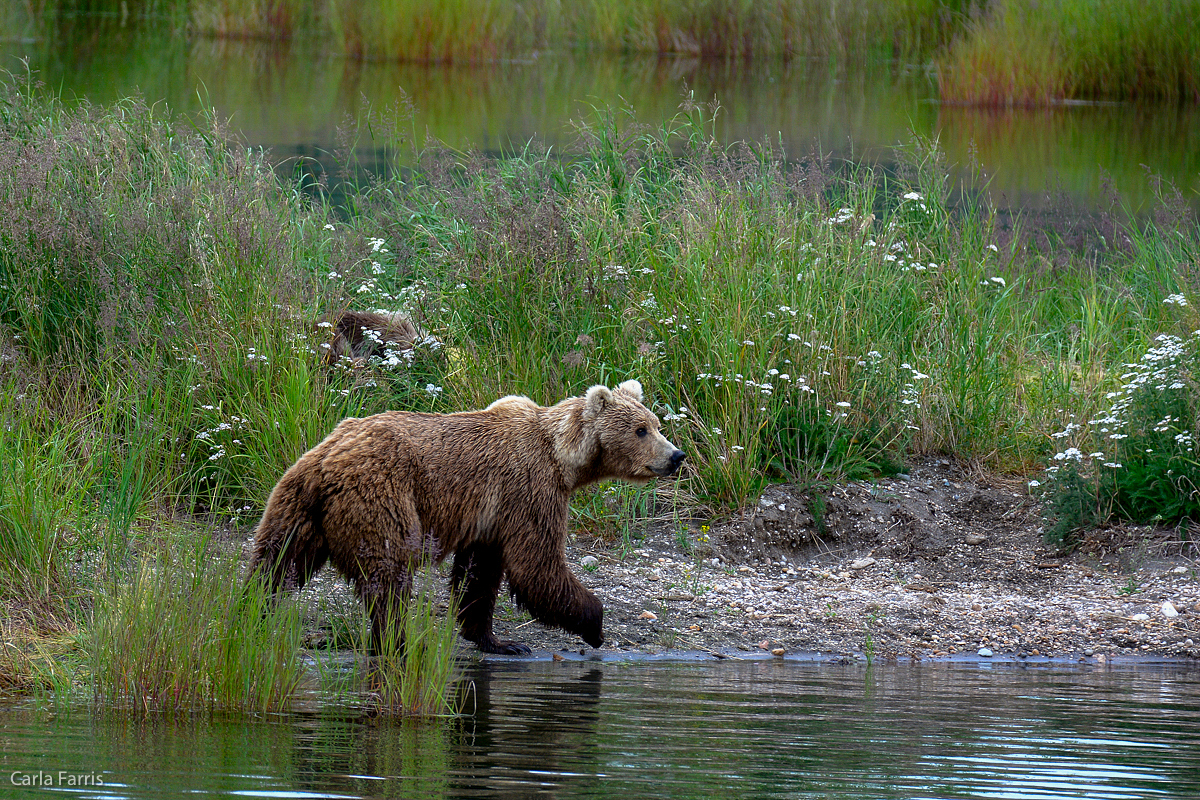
[475, 581]
[555, 597]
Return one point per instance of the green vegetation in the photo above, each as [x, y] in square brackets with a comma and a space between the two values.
[473, 30]
[1138, 459]
[158, 355]
[997, 52]
[156, 297]
[415, 666]
[1025, 52]
[181, 632]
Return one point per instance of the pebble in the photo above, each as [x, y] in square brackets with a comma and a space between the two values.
[589, 562]
[985, 651]
[974, 538]
[1168, 609]
[862, 563]
[1140, 617]
[648, 615]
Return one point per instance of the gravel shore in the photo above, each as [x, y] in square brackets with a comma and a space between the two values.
[936, 563]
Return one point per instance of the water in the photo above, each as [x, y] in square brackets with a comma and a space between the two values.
[575, 729]
[293, 99]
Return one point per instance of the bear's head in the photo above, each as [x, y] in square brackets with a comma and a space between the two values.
[625, 435]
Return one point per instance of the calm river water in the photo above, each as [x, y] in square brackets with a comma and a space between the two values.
[293, 100]
[767, 728]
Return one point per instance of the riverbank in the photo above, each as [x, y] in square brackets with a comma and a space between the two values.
[938, 563]
[161, 363]
[1009, 53]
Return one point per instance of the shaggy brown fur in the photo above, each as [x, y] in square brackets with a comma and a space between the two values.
[489, 486]
[359, 335]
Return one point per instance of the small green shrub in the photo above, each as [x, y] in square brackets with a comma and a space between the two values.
[1144, 465]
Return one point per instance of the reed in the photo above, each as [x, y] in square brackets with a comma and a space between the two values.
[182, 632]
[412, 672]
[482, 30]
[1029, 53]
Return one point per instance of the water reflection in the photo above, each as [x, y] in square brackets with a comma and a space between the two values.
[768, 728]
[295, 101]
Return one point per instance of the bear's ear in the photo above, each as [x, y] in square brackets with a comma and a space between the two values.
[632, 388]
[595, 400]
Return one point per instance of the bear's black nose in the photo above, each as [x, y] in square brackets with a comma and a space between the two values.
[677, 458]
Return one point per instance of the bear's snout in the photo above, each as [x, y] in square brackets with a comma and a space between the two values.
[672, 466]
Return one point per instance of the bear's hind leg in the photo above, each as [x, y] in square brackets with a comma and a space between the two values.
[475, 581]
[384, 588]
[387, 621]
[290, 564]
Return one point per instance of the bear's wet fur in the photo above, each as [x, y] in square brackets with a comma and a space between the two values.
[490, 487]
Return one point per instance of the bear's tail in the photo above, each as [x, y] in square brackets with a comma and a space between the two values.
[289, 542]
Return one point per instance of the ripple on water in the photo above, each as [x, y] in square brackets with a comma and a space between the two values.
[769, 728]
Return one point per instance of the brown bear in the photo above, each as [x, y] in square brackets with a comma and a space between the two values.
[360, 335]
[489, 486]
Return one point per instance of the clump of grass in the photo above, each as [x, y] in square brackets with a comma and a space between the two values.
[37, 657]
[41, 505]
[1029, 53]
[182, 632]
[455, 30]
[412, 668]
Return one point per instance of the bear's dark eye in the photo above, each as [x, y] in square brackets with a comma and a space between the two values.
[642, 431]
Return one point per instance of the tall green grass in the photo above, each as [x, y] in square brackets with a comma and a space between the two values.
[1002, 53]
[785, 321]
[413, 669]
[479, 30]
[1030, 53]
[41, 508]
[183, 633]
[484, 29]
[157, 358]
